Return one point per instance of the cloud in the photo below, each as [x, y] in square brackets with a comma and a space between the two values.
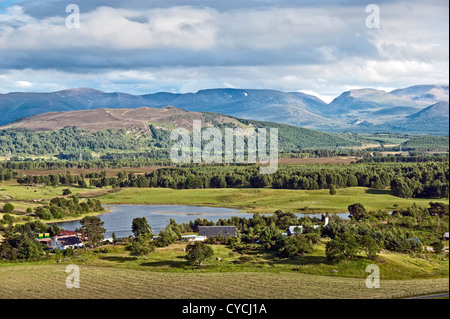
[167, 45]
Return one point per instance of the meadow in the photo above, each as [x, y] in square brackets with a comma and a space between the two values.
[113, 273]
[268, 200]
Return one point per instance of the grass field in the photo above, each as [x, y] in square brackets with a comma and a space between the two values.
[165, 274]
[16, 192]
[99, 282]
[266, 200]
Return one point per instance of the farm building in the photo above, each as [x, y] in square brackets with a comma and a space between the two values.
[194, 237]
[214, 231]
[445, 236]
[65, 239]
[67, 233]
[63, 243]
[295, 230]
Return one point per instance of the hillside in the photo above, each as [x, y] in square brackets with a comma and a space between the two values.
[431, 120]
[135, 130]
[427, 143]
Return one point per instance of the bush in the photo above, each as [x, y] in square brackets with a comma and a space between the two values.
[8, 208]
[68, 252]
[332, 190]
[438, 246]
[43, 213]
[294, 246]
[8, 218]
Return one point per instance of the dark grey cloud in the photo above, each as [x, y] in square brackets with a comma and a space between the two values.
[98, 59]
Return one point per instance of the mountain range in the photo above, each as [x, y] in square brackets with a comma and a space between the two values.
[416, 109]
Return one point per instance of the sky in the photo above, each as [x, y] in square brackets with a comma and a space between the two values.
[321, 48]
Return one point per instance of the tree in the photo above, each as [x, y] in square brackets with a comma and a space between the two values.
[294, 246]
[269, 236]
[166, 237]
[369, 246]
[357, 211]
[92, 230]
[66, 192]
[43, 213]
[342, 247]
[140, 227]
[198, 252]
[55, 229]
[8, 208]
[334, 250]
[332, 190]
[141, 247]
[438, 209]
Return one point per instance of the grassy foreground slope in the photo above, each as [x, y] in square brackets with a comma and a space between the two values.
[99, 282]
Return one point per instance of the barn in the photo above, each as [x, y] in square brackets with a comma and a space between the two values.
[214, 231]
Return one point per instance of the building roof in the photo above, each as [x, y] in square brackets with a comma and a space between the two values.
[214, 231]
[67, 233]
[69, 241]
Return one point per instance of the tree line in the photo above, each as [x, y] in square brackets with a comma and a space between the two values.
[406, 180]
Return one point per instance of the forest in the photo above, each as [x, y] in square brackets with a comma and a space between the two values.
[406, 180]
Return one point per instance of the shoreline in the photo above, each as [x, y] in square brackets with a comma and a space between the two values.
[78, 218]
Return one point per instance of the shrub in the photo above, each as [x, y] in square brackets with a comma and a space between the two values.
[8, 208]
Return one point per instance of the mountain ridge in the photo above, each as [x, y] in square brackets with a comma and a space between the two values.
[370, 106]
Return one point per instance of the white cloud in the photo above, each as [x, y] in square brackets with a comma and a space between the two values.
[110, 28]
[23, 84]
[184, 48]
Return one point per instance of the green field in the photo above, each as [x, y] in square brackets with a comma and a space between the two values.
[267, 200]
[98, 282]
[165, 274]
[16, 192]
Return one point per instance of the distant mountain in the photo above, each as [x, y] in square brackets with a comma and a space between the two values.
[141, 129]
[431, 120]
[361, 110]
[267, 105]
[434, 112]
[429, 94]
[375, 106]
[17, 105]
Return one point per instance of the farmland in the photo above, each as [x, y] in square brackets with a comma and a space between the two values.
[166, 275]
[256, 272]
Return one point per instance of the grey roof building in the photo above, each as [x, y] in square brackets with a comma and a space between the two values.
[214, 231]
[62, 243]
